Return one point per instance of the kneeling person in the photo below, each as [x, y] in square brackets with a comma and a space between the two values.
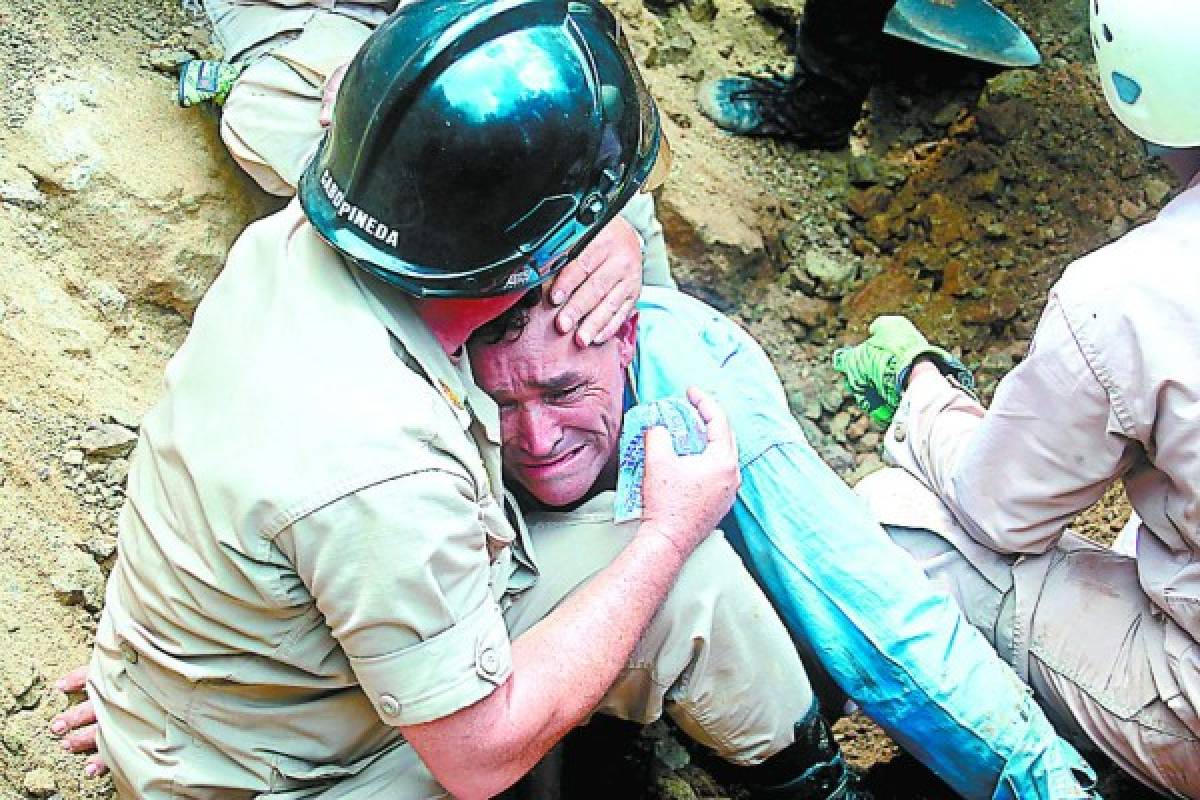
[322, 590]
[853, 600]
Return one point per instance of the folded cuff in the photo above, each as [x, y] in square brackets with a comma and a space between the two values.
[441, 675]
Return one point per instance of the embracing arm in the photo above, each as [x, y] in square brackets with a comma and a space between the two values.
[564, 664]
[561, 669]
[401, 572]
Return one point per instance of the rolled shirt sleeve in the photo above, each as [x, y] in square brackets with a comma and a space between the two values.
[402, 574]
[1045, 450]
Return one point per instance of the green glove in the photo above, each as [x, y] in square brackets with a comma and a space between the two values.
[875, 370]
[206, 80]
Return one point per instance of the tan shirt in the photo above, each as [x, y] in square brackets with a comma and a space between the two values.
[246, 29]
[1110, 390]
[313, 527]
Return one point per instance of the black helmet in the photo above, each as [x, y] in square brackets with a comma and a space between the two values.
[478, 145]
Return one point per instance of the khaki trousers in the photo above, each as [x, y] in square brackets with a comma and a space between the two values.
[1075, 625]
[715, 658]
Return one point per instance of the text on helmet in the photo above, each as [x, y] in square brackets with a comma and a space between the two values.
[355, 215]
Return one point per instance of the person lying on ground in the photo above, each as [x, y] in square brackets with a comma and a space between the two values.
[1108, 392]
[322, 590]
[282, 64]
[857, 605]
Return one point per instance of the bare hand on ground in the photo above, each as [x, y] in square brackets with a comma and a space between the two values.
[77, 725]
[601, 286]
[686, 497]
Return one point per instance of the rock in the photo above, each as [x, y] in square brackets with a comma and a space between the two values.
[832, 398]
[167, 60]
[959, 279]
[879, 228]
[839, 459]
[65, 153]
[1131, 210]
[811, 432]
[870, 463]
[166, 222]
[1156, 191]
[788, 12]
[838, 426]
[18, 675]
[107, 441]
[1004, 121]
[702, 10]
[125, 418]
[673, 787]
[946, 221]
[999, 303]
[117, 472]
[984, 184]
[13, 739]
[18, 187]
[1118, 226]
[673, 47]
[73, 458]
[1106, 207]
[947, 115]
[866, 203]
[997, 362]
[857, 429]
[810, 312]
[832, 275]
[800, 280]
[100, 548]
[39, 783]
[863, 171]
[796, 401]
[78, 580]
[108, 299]
[670, 753]
[727, 235]
[1008, 85]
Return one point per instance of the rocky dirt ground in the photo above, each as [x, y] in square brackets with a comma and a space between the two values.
[962, 197]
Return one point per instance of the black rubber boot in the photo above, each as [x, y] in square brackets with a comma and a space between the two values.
[838, 47]
[811, 768]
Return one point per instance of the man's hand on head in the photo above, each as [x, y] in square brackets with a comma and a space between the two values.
[597, 291]
[77, 725]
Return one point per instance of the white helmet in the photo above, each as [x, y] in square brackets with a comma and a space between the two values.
[1148, 52]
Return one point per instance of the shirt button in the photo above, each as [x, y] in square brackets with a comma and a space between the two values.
[489, 662]
[900, 431]
[128, 653]
[389, 705]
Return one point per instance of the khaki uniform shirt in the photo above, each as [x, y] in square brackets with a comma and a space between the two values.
[246, 29]
[1110, 390]
[315, 539]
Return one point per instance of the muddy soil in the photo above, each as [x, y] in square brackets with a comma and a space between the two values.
[962, 197]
